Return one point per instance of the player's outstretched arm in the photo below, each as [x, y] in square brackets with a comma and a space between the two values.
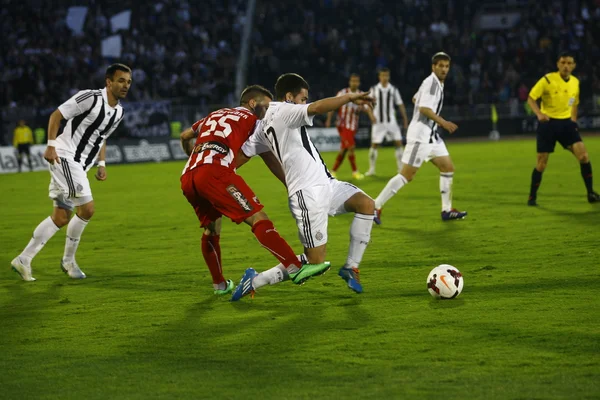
[53, 125]
[333, 103]
[447, 125]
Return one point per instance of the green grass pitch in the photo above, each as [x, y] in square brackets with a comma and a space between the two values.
[145, 323]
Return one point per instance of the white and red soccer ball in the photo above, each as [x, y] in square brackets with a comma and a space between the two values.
[445, 282]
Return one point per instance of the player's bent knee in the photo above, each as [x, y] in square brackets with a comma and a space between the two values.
[584, 158]
[60, 217]
[316, 255]
[86, 211]
[254, 218]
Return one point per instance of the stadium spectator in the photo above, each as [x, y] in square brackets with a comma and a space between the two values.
[182, 52]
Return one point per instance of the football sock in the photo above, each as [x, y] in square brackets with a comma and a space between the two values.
[211, 251]
[352, 159]
[271, 276]
[338, 161]
[399, 153]
[446, 179]
[586, 173]
[360, 235]
[74, 231]
[269, 238]
[42, 233]
[536, 180]
[372, 158]
[390, 190]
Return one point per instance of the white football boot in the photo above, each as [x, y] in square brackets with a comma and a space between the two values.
[22, 269]
[72, 269]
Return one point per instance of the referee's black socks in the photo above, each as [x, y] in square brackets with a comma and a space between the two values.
[586, 174]
[536, 179]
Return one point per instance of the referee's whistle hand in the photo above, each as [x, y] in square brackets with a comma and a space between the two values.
[51, 156]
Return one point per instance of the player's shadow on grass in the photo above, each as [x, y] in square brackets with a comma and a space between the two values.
[583, 216]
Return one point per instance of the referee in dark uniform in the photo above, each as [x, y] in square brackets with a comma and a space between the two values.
[557, 118]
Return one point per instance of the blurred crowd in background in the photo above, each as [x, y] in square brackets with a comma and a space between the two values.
[187, 51]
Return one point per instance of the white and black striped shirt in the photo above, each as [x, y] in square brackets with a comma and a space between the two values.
[430, 95]
[90, 121]
[386, 98]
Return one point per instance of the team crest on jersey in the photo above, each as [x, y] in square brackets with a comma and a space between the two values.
[239, 197]
[319, 236]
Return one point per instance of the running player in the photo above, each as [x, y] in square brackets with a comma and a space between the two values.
[92, 116]
[424, 142]
[313, 192]
[213, 189]
[559, 92]
[347, 125]
[386, 96]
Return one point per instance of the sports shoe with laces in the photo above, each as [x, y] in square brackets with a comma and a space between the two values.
[377, 216]
[352, 278]
[453, 214]
[593, 197]
[309, 270]
[22, 269]
[245, 286]
[358, 176]
[227, 290]
[72, 269]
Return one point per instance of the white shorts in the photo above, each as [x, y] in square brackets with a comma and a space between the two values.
[312, 206]
[416, 153]
[69, 184]
[385, 130]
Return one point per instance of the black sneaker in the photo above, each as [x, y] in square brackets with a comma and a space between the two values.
[531, 201]
[593, 197]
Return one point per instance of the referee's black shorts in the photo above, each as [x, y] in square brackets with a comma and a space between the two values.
[23, 148]
[563, 131]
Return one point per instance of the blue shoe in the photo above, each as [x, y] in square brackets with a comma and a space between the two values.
[453, 214]
[377, 216]
[352, 278]
[245, 287]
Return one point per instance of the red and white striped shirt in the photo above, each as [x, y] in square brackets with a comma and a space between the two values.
[347, 116]
[221, 134]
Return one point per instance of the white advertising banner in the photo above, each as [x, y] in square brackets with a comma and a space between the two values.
[325, 139]
[9, 163]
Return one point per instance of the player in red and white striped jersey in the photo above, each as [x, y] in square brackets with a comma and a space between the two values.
[212, 187]
[347, 125]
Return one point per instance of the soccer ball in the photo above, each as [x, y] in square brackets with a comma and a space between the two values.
[445, 282]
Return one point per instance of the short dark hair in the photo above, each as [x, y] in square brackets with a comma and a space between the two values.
[252, 92]
[110, 71]
[565, 54]
[354, 75]
[383, 69]
[440, 56]
[289, 83]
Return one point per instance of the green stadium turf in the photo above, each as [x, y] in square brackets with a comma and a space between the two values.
[145, 323]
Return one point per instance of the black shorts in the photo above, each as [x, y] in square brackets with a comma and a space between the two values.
[562, 130]
[23, 148]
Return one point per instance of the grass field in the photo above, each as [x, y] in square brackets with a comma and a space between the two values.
[145, 323]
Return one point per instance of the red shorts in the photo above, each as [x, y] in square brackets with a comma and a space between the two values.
[214, 191]
[346, 137]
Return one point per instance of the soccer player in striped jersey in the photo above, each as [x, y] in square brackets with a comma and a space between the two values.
[91, 117]
[559, 92]
[424, 142]
[347, 125]
[212, 187]
[386, 96]
[313, 194]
